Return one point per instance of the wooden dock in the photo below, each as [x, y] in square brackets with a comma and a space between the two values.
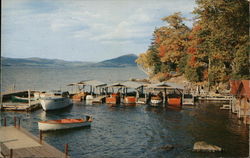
[16, 142]
[215, 98]
[6, 103]
[10, 106]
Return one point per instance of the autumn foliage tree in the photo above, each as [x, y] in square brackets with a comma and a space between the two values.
[216, 49]
[168, 48]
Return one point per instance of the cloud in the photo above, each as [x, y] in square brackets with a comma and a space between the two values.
[135, 26]
[59, 27]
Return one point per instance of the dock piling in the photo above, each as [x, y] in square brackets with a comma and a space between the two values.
[41, 136]
[11, 153]
[19, 123]
[15, 121]
[66, 150]
[5, 122]
[29, 97]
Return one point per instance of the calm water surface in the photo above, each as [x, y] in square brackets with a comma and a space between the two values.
[122, 131]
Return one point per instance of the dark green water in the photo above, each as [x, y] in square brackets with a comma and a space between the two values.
[139, 131]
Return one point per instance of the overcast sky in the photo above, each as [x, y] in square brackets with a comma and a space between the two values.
[83, 30]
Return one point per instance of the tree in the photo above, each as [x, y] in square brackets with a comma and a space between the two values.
[226, 22]
[172, 48]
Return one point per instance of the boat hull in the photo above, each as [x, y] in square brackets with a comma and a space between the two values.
[174, 102]
[58, 126]
[155, 101]
[89, 97]
[129, 100]
[188, 101]
[21, 99]
[113, 100]
[78, 96]
[55, 103]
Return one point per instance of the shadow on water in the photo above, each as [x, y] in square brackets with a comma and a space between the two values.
[158, 109]
[59, 111]
[63, 132]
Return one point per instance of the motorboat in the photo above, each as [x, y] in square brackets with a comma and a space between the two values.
[64, 124]
[55, 100]
[78, 96]
[155, 100]
[174, 100]
[129, 100]
[113, 98]
[187, 99]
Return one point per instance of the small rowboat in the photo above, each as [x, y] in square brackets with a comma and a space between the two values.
[64, 124]
[21, 99]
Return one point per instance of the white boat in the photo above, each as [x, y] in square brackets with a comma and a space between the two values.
[89, 97]
[156, 100]
[187, 99]
[55, 100]
[64, 124]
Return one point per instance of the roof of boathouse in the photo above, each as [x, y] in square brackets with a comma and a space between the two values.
[132, 84]
[94, 83]
[75, 84]
[127, 84]
[116, 84]
[167, 85]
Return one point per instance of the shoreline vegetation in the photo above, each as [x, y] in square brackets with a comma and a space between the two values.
[212, 52]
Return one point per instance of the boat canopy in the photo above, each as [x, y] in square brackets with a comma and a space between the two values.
[117, 84]
[131, 84]
[94, 83]
[166, 85]
[126, 84]
[75, 84]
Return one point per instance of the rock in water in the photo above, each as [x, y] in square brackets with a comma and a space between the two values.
[167, 147]
[203, 146]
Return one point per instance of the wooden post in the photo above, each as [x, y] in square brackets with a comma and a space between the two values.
[19, 123]
[5, 121]
[15, 121]
[11, 153]
[29, 97]
[41, 136]
[1, 102]
[66, 150]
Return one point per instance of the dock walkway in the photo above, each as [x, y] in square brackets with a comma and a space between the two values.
[10, 106]
[17, 142]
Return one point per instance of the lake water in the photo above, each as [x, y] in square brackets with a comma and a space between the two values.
[122, 131]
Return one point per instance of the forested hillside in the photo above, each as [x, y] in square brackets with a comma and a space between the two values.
[215, 49]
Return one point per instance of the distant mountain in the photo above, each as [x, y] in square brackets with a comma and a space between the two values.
[40, 62]
[122, 61]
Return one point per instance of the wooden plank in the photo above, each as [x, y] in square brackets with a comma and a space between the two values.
[47, 151]
[32, 148]
[23, 152]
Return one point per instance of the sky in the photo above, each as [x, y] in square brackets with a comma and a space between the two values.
[83, 30]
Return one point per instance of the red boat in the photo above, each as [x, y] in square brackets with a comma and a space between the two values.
[113, 99]
[174, 100]
[130, 100]
[79, 96]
